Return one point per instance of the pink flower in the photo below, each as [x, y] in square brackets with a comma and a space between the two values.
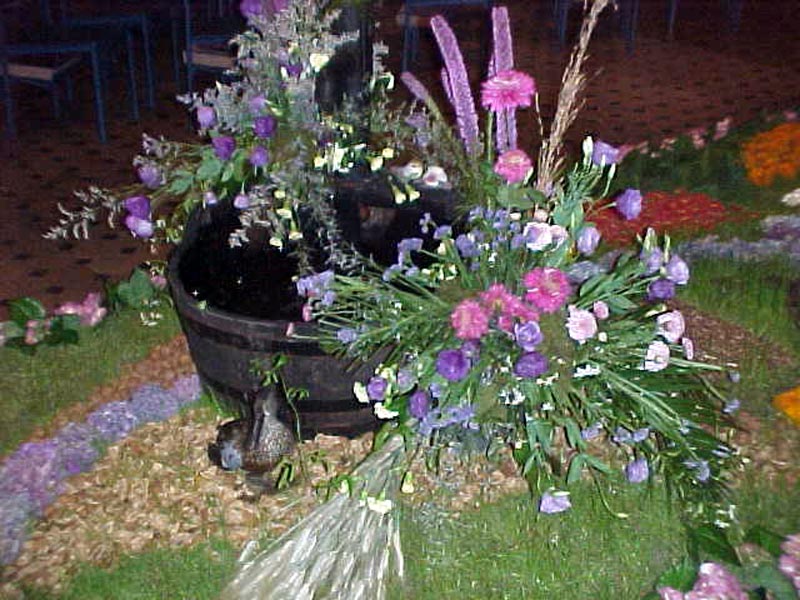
[600, 310]
[657, 356]
[688, 348]
[548, 288]
[513, 166]
[470, 320]
[671, 326]
[507, 90]
[496, 298]
[581, 324]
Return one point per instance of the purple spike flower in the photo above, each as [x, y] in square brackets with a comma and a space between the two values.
[463, 102]
[416, 87]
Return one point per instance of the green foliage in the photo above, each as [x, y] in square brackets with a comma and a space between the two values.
[708, 541]
[136, 292]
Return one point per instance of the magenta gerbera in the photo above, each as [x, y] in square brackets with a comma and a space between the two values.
[507, 90]
[548, 288]
[513, 166]
[470, 320]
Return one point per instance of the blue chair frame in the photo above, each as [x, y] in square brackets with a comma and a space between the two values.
[628, 18]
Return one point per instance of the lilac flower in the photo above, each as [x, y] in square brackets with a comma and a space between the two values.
[187, 389]
[251, 8]
[528, 335]
[210, 198]
[405, 379]
[376, 388]
[466, 246]
[640, 435]
[530, 365]
[14, 516]
[657, 356]
[588, 239]
[671, 326]
[419, 404]
[436, 390]
[581, 324]
[472, 350]
[555, 502]
[150, 176]
[464, 106]
[257, 104]
[314, 286]
[652, 260]
[629, 203]
[452, 365]
[426, 222]
[113, 421]
[660, 289]
[688, 347]
[206, 117]
[138, 206]
[346, 335]
[604, 154]
[503, 60]
[600, 310]
[241, 201]
[390, 272]
[416, 87]
[637, 471]
[538, 236]
[259, 156]
[224, 145]
[153, 403]
[406, 246]
[591, 432]
[677, 270]
[442, 232]
[582, 271]
[142, 228]
[76, 448]
[701, 468]
[264, 126]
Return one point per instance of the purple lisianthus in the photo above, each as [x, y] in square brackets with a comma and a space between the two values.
[264, 126]
[677, 270]
[442, 232]
[206, 117]
[604, 154]
[629, 203]
[637, 471]
[419, 404]
[150, 176]
[555, 502]
[138, 206]
[241, 201]
[660, 289]
[376, 388]
[139, 227]
[259, 156]
[452, 365]
[346, 335]
[528, 335]
[530, 365]
[652, 259]
[224, 145]
[588, 239]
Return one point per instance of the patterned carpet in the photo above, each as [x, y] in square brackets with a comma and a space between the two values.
[663, 88]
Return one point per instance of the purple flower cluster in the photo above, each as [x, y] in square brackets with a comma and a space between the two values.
[317, 287]
[32, 477]
[451, 415]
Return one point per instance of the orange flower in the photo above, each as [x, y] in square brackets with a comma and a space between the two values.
[771, 154]
[789, 404]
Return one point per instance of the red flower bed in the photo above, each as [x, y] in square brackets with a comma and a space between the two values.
[666, 212]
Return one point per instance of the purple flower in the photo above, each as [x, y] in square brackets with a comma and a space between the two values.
[264, 126]
[530, 365]
[257, 104]
[555, 502]
[241, 201]
[528, 335]
[652, 260]
[600, 310]
[314, 286]
[677, 270]
[251, 8]
[731, 406]
[419, 404]
[150, 176]
[588, 239]
[206, 117]
[701, 468]
[113, 421]
[660, 289]
[346, 335]
[441, 232]
[138, 206]
[671, 326]
[376, 388]
[466, 246]
[452, 365]
[604, 154]
[210, 198]
[406, 247]
[76, 447]
[637, 471]
[591, 432]
[153, 403]
[259, 156]
[629, 203]
[415, 86]
[142, 228]
[224, 145]
[472, 350]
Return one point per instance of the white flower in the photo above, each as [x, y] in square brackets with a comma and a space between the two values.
[657, 357]
[792, 198]
[434, 177]
[539, 236]
[671, 326]
[384, 413]
[412, 170]
[379, 506]
[586, 371]
[360, 391]
[318, 60]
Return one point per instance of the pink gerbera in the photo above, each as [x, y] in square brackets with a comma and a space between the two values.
[513, 166]
[548, 288]
[496, 298]
[507, 90]
[470, 320]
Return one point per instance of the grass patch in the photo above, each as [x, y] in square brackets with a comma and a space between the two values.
[34, 387]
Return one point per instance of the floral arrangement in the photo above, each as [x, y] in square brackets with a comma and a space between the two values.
[32, 477]
[266, 146]
[772, 154]
[501, 330]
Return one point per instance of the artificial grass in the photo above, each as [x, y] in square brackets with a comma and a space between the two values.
[34, 387]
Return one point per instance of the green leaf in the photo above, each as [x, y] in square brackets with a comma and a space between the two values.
[708, 540]
[136, 291]
[597, 464]
[180, 185]
[209, 169]
[767, 539]
[63, 330]
[23, 310]
[576, 468]
[573, 434]
[680, 576]
[768, 577]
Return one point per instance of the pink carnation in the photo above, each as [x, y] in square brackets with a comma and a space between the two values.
[581, 324]
[548, 288]
[496, 297]
[507, 90]
[513, 166]
[470, 320]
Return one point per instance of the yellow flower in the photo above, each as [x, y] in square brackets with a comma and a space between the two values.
[789, 404]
